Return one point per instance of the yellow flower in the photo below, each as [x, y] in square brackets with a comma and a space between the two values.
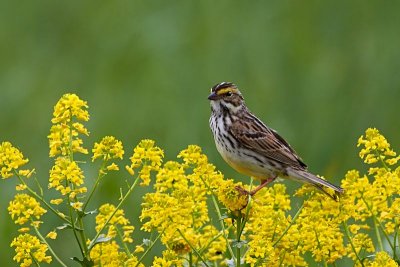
[169, 258]
[66, 177]
[52, 235]
[361, 242]
[29, 249]
[63, 137]
[70, 105]
[10, 160]
[24, 208]
[108, 148]
[376, 148]
[20, 187]
[383, 259]
[193, 156]
[180, 202]
[109, 255]
[230, 197]
[26, 173]
[113, 167]
[171, 176]
[139, 249]
[117, 221]
[77, 205]
[147, 155]
[267, 224]
[57, 201]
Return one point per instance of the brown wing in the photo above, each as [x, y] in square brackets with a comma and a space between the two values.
[265, 141]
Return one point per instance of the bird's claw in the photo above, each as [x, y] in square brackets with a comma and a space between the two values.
[243, 191]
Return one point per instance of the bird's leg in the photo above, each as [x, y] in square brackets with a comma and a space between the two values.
[258, 188]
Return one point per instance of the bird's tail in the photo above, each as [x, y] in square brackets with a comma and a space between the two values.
[306, 177]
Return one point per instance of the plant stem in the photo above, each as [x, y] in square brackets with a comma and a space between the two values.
[377, 224]
[238, 235]
[127, 251]
[190, 259]
[37, 196]
[217, 209]
[48, 246]
[346, 229]
[378, 235]
[34, 259]
[99, 176]
[70, 208]
[93, 242]
[194, 250]
[148, 250]
[290, 225]
[394, 241]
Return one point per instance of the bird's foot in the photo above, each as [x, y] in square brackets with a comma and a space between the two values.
[244, 192]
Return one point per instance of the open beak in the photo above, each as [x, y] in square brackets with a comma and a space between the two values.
[213, 96]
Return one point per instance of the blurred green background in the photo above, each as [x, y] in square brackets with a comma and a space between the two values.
[319, 72]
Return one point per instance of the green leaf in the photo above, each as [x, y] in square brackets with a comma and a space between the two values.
[101, 239]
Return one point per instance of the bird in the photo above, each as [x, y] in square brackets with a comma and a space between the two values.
[251, 147]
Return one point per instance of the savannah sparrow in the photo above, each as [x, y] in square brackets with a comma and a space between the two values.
[251, 147]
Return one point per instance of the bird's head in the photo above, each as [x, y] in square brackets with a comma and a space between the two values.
[226, 96]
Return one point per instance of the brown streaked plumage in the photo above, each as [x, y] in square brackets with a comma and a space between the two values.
[251, 147]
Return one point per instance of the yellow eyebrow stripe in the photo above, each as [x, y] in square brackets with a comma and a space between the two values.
[225, 90]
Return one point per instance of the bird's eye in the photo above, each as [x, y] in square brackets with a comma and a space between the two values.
[228, 93]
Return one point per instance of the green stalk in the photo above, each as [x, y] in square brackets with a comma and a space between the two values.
[290, 225]
[377, 224]
[194, 250]
[37, 196]
[217, 209]
[48, 246]
[319, 246]
[127, 251]
[74, 230]
[394, 241]
[238, 235]
[346, 229]
[93, 242]
[378, 235]
[149, 248]
[82, 243]
[34, 259]
[190, 259]
[211, 241]
[100, 175]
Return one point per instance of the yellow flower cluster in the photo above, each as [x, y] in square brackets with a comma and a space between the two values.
[67, 178]
[269, 244]
[109, 255]
[267, 229]
[147, 156]
[230, 196]
[178, 210]
[29, 250]
[11, 159]
[322, 225]
[376, 148]
[206, 178]
[382, 259]
[25, 208]
[117, 221]
[63, 137]
[169, 258]
[109, 148]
